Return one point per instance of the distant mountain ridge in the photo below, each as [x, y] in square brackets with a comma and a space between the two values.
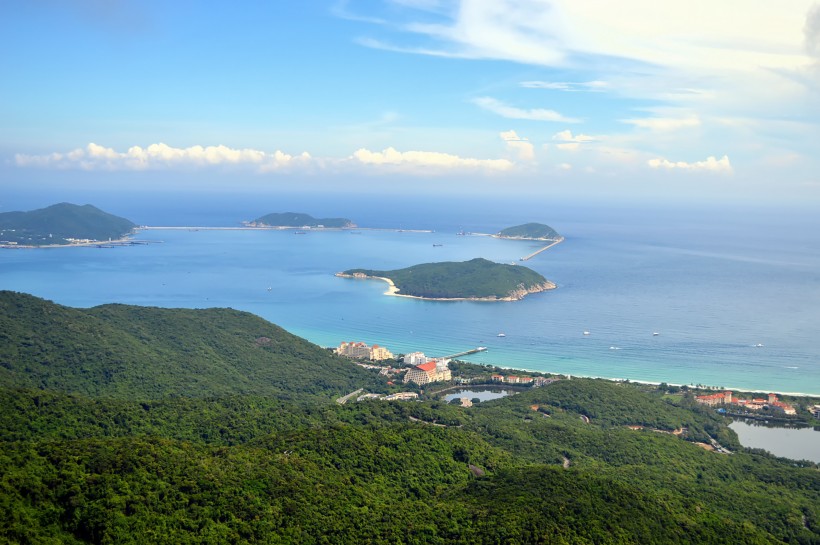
[298, 219]
[58, 223]
[129, 352]
[530, 231]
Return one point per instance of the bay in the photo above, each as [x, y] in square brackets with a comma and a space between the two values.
[734, 294]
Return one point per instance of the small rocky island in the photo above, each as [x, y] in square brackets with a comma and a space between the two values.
[530, 231]
[299, 220]
[474, 280]
[63, 224]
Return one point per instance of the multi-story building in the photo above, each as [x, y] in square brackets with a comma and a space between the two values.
[359, 350]
[715, 399]
[415, 358]
[815, 411]
[755, 404]
[432, 371]
[378, 353]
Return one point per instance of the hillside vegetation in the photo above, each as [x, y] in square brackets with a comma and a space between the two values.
[530, 231]
[288, 465]
[59, 222]
[474, 279]
[152, 353]
[295, 219]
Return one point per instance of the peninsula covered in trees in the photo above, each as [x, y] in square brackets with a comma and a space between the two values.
[61, 224]
[297, 219]
[477, 280]
[125, 424]
[530, 231]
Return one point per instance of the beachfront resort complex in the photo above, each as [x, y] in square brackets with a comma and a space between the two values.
[423, 370]
[755, 404]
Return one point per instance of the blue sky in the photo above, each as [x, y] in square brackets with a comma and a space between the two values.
[697, 99]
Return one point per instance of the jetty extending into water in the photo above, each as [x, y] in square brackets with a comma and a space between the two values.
[547, 247]
[466, 352]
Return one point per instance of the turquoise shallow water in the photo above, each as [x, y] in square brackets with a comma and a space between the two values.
[711, 284]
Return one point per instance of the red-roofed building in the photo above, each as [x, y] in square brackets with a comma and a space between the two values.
[432, 371]
[715, 399]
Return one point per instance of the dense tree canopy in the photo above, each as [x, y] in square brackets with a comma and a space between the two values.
[91, 458]
[476, 278]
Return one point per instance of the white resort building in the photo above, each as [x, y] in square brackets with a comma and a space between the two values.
[359, 350]
[415, 358]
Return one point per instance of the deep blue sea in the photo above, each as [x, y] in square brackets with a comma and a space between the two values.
[733, 292]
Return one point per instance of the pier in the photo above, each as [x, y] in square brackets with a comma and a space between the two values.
[466, 352]
[547, 247]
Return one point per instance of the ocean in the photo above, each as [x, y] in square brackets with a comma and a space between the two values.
[733, 292]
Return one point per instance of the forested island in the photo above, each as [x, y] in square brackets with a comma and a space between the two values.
[530, 231]
[124, 424]
[297, 219]
[61, 224]
[476, 280]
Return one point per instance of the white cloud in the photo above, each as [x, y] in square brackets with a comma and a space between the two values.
[511, 112]
[426, 161]
[162, 156]
[571, 142]
[664, 123]
[811, 31]
[730, 58]
[96, 157]
[595, 86]
[521, 146]
[711, 164]
[567, 136]
[699, 34]
[565, 166]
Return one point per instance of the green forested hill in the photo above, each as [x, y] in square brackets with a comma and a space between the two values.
[534, 231]
[296, 219]
[474, 279]
[152, 353]
[56, 223]
[277, 463]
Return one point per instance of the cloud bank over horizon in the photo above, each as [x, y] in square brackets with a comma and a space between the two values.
[162, 156]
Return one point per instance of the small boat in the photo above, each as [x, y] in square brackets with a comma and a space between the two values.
[501, 335]
[586, 332]
[437, 245]
[655, 333]
[614, 348]
[269, 288]
[758, 345]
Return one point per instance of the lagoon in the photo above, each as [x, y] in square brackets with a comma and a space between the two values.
[788, 442]
[484, 394]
